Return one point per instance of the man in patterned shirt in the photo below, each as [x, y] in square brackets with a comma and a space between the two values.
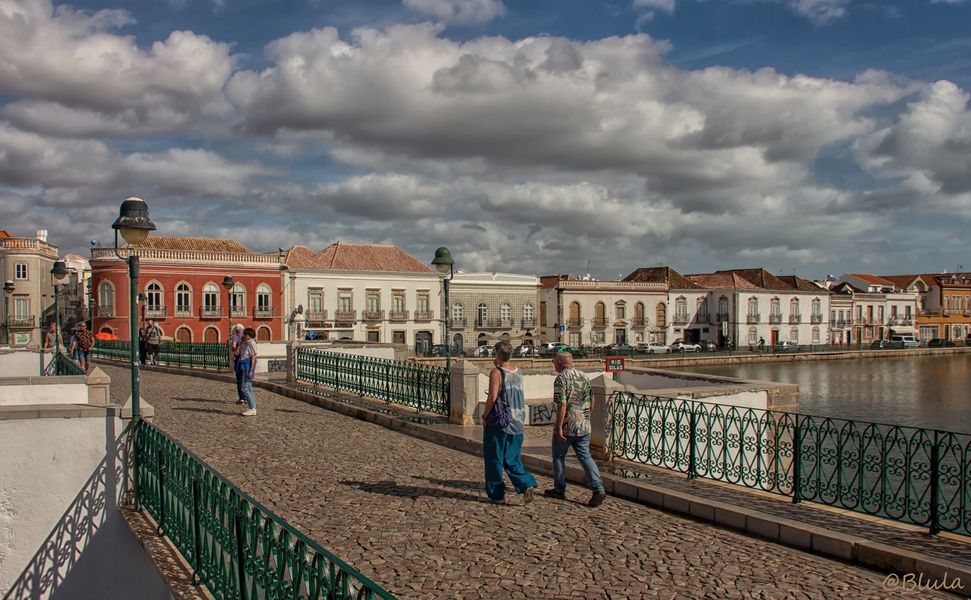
[85, 343]
[571, 396]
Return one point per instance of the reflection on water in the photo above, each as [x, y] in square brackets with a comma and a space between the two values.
[922, 391]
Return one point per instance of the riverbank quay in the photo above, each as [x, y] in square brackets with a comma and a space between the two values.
[287, 456]
[721, 358]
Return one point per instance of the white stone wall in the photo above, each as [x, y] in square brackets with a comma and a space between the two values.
[22, 363]
[43, 390]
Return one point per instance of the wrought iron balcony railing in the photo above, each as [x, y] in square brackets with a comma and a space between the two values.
[721, 317]
[575, 323]
[599, 323]
[528, 323]
[183, 310]
[263, 312]
[373, 315]
[21, 322]
[456, 323]
[815, 319]
[211, 312]
[753, 318]
[155, 312]
[398, 315]
[106, 312]
[315, 316]
[639, 322]
[795, 319]
[423, 315]
[681, 319]
[775, 319]
[345, 315]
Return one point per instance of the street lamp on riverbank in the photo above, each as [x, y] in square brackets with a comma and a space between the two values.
[134, 225]
[58, 273]
[444, 264]
[8, 288]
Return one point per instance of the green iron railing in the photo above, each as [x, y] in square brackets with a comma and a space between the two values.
[908, 474]
[237, 548]
[422, 387]
[202, 355]
[60, 365]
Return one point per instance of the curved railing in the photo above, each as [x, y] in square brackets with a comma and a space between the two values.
[422, 387]
[60, 364]
[202, 355]
[908, 474]
[237, 548]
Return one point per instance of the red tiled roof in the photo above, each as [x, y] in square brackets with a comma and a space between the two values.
[193, 244]
[5, 234]
[875, 280]
[675, 280]
[761, 278]
[901, 282]
[801, 284]
[342, 256]
[722, 281]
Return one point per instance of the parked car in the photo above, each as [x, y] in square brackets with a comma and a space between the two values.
[708, 346]
[525, 351]
[653, 348]
[881, 345]
[483, 351]
[619, 350]
[940, 343]
[904, 341]
[784, 346]
[576, 352]
[440, 350]
[680, 346]
[547, 348]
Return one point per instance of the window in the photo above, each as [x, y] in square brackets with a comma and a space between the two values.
[753, 306]
[20, 271]
[263, 299]
[153, 296]
[597, 337]
[374, 336]
[528, 314]
[832, 316]
[701, 309]
[880, 313]
[794, 307]
[817, 307]
[315, 302]
[775, 307]
[210, 297]
[423, 303]
[639, 313]
[893, 311]
[681, 310]
[457, 312]
[106, 299]
[542, 314]
[183, 334]
[661, 314]
[505, 312]
[183, 301]
[398, 303]
[482, 313]
[723, 308]
[794, 335]
[345, 302]
[373, 302]
[575, 314]
[753, 336]
[237, 299]
[210, 335]
[815, 335]
[620, 310]
[21, 308]
[263, 334]
[600, 313]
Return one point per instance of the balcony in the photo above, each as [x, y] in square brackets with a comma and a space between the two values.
[20, 322]
[155, 312]
[775, 319]
[263, 312]
[842, 323]
[424, 315]
[528, 323]
[372, 315]
[795, 319]
[681, 319]
[815, 319]
[345, 316]
[599, 323]
[639, 323]
[398, 315]
[494, 323]
[211, 312]
[315, 316]
[456, 323]
[720, 317]
[183, 310]
[576, 323]
[106, 312]
[704, 318]
[753, 318]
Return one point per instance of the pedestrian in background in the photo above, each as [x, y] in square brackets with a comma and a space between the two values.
[504, 429]
[142, 344]
[247, 365]
[573, 402]
[85, 342]
[50, 337]
[153, 341]
[235, 340]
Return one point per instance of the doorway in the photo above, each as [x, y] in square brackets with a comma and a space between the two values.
[775, 337]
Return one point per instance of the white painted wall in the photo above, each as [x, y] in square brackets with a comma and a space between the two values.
[39, 482]
[42, 390]
[22, 363]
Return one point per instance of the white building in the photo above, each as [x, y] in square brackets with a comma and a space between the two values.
[486, 307]
[365, 292]
[25, 264]
[880, 307]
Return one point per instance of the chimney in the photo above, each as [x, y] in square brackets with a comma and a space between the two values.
[42, 235]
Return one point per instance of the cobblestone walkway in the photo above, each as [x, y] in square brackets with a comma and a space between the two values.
[413, 516]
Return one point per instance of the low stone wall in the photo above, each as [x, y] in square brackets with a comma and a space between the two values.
[20, 362]
[68, 389]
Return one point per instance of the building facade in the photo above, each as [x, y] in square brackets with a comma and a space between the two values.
[487, 307]
[75, 298]
[26, 264]
[945, 306]
[181, 287]
[363, 292]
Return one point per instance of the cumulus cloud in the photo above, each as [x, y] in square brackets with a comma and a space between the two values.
[460, 12]
[820, 12]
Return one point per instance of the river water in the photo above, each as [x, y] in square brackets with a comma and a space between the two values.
[921, 391]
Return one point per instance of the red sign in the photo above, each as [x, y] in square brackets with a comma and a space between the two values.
[614, 364]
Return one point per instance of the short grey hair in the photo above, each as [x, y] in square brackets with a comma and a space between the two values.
[564, 358]
[503, 350]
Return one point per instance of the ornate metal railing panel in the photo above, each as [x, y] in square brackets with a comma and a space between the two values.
[201, 355]
[423, 387]
[909, 474]
[60, 365]
[238, 549]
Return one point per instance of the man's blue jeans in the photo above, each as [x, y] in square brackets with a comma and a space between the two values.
[581, 447]
[503, 452]
[239, 379]
[247, 389]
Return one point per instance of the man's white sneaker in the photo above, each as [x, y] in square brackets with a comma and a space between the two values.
[250, 412]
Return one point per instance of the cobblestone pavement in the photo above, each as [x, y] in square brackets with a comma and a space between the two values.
[413, 515]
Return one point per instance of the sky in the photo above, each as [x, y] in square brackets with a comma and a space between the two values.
[804, 136]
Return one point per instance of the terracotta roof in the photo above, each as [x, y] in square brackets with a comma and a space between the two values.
[845, 287]
[761, 278]
[875, 280]
[801, 284]
[163, 242]
[675, 280]
[5, 234]
[722, 281]
[901, 282]
[343, 256]
[550, 281]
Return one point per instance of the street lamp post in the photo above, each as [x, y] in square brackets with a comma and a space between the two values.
[8, 288]
[444, 264]
[134, 225]
[58, 273]
[228, 284]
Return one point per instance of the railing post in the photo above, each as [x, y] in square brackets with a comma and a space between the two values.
[935, 487]
[195, 530]
[240, 554]
[692, 441]
[796, 462]
[161, 494]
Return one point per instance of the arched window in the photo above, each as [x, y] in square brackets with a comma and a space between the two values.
[723, 308]
[753, 307]
[458, 341]
[106, 299]
[505, 313]
[210, 335]
[527, 315]
[183, 334]
[639, 313]
[210, 297]
[794, 307]
[183, 301]
[237, 300]
[815, 335]
[817, 307]
[600, 314]
[662, 315]
[263, 305]
[482, 314]
[681, 310]
[775, 307]
[574, 314]
[263, 334]
[620, 310]
[153, 297]
[701, 309]
[457, 312]
[753, 336]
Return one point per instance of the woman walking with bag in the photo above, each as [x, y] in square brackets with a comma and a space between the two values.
[504, 429]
